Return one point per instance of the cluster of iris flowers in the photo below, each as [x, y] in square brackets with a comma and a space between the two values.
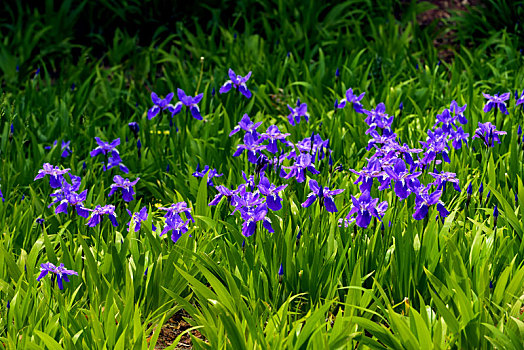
[392, 165]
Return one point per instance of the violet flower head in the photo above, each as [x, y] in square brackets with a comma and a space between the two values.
[237, 82]
[469, 190]
[160, 105]
[496, 102]
[365, 207]
[488, 133]
[137, 218]
[115, 160]
[135, 128]
[251, 146]
[222, 192]
[402, 177]
[458, 137]
[272, 135]
[325, 196]
[177, 225]
[60, 272]
[251, 215]
[273, 199]
[176, 209]
[297, 113]
[423, 200]
[56, 176]
[212, 173]
[65, 148]
[444, 177]
[125, 185]
[189, 102]
[96, 215]
[377, 118]
[520, 100]
[105, 147]
[303, 162]
[458, 112]
[247, 125]
[354, 99]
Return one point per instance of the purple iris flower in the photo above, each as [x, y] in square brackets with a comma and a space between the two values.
[56, 176]
[459, 136]
[458, 112]
[125, 185]
[2, 196]
[176, 209]
[273, 200]
[222, 192]
[365, 207]
[273, 135]
[402, 178]
[189, 102]
[135, 128]
[372, 170]
[177, 225]
[423, 200]
[496, 102]
[444, 177]
[447, 120]
[385, 139]
[247, 125]
[296, 113]
[105, 147]
[354, 99]
[251, 146]
[160, 105]
[74, 199]
[212, 173]
[251, 215]
[377, 118]
[488, 133]
[520, 100]
[237, 82]
[137, 218]
[298, 170]
[325, 196]
[65, 148]
[61, 273]
[96, 215]
[115, 160]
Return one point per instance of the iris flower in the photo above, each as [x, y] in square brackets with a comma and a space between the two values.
[189, 102]
[325, 196]
[160, 105]
[296, 113]
[247, 125]
[488, 133]
[237, 82]
[273, 200]
[352, 98]
[137, 218]
[125, 185]
[96, 215]
[365, 207]
[60, 272]
[496, 102]
[56, 176]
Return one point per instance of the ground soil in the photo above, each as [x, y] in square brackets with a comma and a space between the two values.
[172, 329]
[445, 41]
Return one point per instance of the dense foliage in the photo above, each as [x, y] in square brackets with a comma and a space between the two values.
[314, 178]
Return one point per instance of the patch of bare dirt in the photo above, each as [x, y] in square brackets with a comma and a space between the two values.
[446, 41]
[173, 328]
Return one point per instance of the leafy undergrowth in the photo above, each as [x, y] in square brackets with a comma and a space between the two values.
[389, 224]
